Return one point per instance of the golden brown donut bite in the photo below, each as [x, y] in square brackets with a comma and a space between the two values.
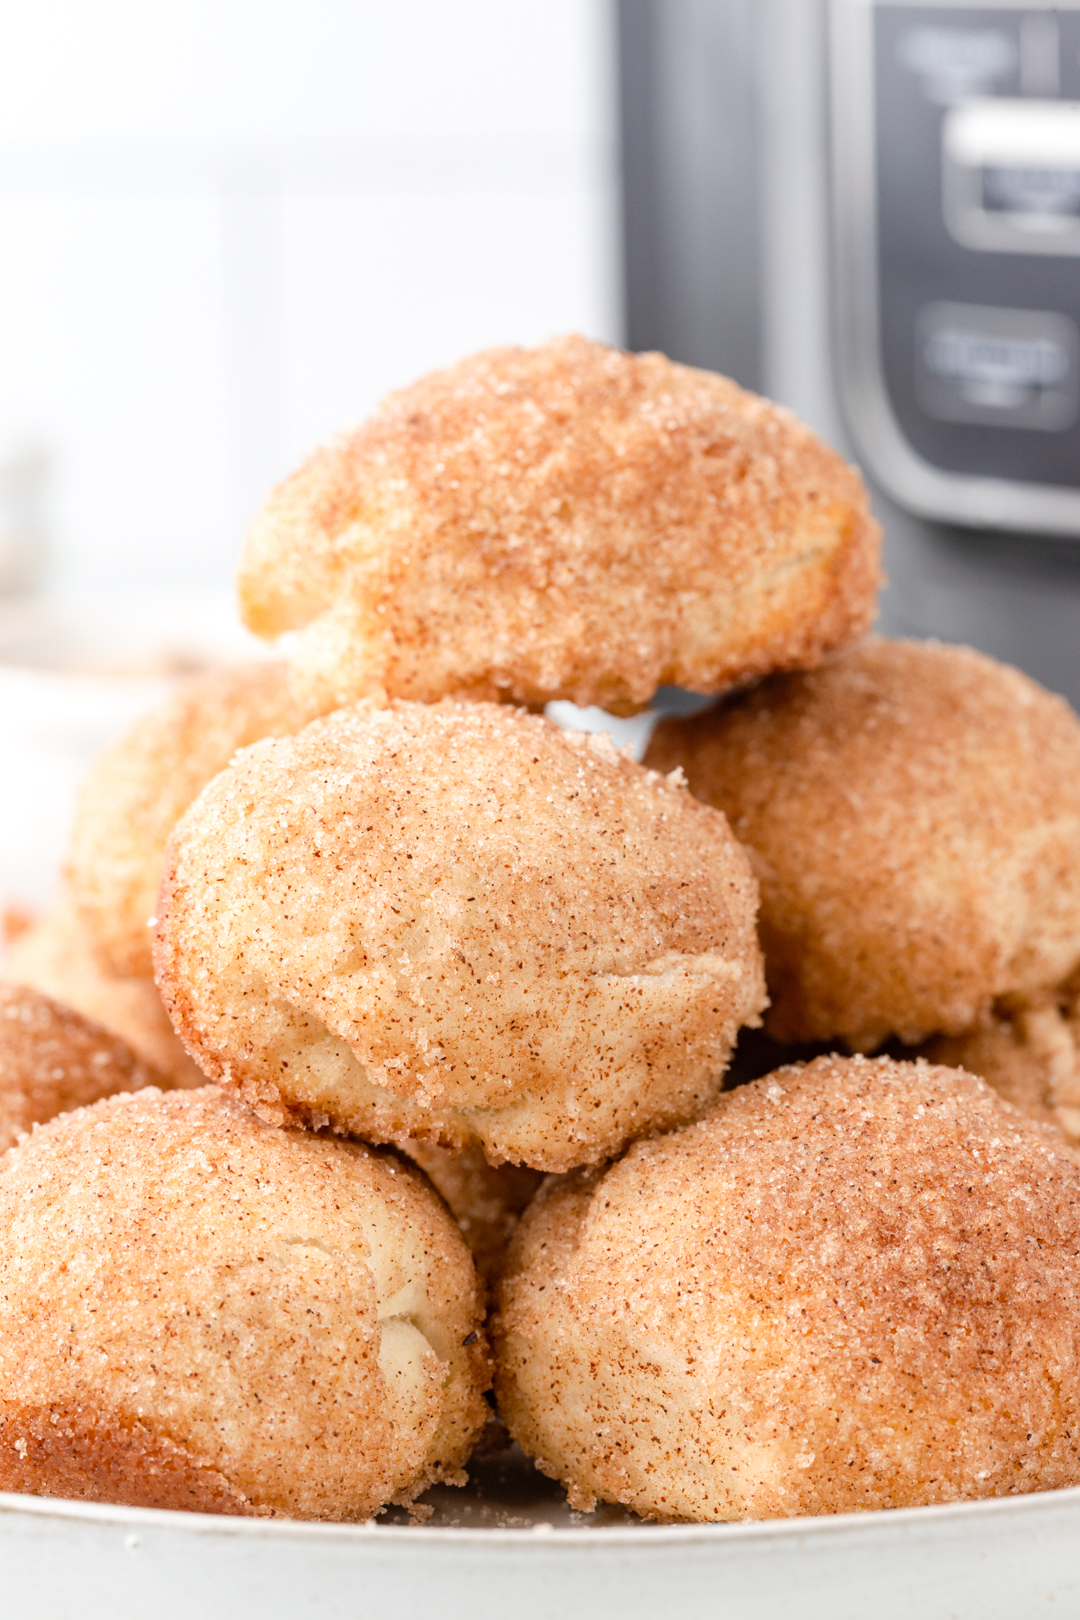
[57, 956]
[456, 923]
[485, 1199]
[253, 1321]
[1028, 1049]
[137, 790]
[562, 522]
[912, 811]
[852, 1285]
[53, 1060]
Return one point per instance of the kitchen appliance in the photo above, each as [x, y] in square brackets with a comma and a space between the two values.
[956, 163]
[871, 211]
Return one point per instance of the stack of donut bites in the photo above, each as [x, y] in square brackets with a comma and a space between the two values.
[415, 1084]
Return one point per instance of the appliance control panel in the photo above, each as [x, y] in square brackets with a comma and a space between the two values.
[956, 163]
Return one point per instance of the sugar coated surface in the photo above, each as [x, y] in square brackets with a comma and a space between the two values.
[58, 956]
[913, 814]
[457, 923]
[1028, 1048]
[138, 789]
[198, 1310]
[853, 1285]
[52, 1060]
[563, 522]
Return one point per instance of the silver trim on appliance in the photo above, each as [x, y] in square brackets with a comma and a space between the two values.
[1028, 150]
[958, 498]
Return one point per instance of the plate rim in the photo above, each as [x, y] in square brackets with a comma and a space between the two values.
[837, 1526]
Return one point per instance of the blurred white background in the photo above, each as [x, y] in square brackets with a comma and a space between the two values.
[228, 226]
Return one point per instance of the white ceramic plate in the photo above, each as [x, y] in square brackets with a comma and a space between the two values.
[1003, 1560]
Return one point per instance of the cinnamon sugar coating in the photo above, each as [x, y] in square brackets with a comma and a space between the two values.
[138, 789]
[913, 814]
[52, 1060]
[56, 955]
[200, 1311]
[853, 1285]
[563, 522]
[458, 924]
[1028, 1049]
[485, 1199]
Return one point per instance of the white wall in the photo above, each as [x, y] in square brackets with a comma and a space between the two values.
[227, 226]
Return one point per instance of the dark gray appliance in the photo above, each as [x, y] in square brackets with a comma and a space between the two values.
[872, 212]
[956, 163]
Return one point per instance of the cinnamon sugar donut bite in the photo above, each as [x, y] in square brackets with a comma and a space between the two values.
[1028, 1049]
[137, 790]
[53, 1060]
[913, 814]
[457, 923]
[485, 1199]
[252, 1321]
[57, 956]
[563, 522]
[851, 1285]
